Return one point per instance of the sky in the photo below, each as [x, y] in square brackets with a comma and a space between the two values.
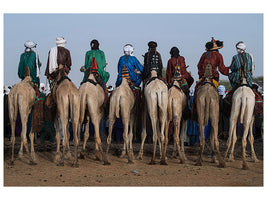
[188, 32]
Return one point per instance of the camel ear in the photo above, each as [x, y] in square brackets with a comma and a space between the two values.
[27, 71]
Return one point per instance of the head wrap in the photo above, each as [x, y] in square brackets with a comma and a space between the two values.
[94, 44]
[152, 44]
[42, 87]
[175, 52]
[240, 47]
[128, 50]
[221, 90]
[6, 90]
[60, 41]
[29, 45]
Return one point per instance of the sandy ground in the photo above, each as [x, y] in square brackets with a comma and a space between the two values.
[92, 172]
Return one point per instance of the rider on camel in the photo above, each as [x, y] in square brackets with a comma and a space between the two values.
[207, 66]
[177, 60]
[132, 64]
[58, 56]
[30, 59]
[134, 73]
[152, 60]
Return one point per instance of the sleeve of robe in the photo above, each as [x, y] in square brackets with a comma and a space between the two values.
[222, 68]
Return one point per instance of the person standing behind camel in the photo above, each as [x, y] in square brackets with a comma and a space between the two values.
[58, 55]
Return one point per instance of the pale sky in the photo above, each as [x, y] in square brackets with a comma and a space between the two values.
[188, 32]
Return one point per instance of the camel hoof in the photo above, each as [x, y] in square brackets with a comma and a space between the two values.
[245, 166]
[198, 164]
[122, 154]
[97, 156]
[32, 163]
[130, 161]
[60, 164]
[107, 163]
[75, 164]
[256, 160]
[152, 162]
[11, 163]
[182, 161]
[82, 155]
[222, 164]
[163, 162]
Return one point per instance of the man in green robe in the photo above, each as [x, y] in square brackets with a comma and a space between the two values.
[30, 58]
[100, 59]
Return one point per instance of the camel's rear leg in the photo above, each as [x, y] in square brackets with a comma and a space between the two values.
[251, 140]
[85, 138]
[143, 135]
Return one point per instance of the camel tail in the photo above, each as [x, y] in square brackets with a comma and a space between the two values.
[27, 71]
[13, 107]
[170, 108]
[117, 108]
[82, 107]
[207, 110]
[243, 108]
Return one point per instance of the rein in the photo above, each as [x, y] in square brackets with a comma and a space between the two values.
[90, 81]
[62, 79]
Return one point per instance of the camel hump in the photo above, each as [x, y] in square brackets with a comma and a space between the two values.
[27, 71]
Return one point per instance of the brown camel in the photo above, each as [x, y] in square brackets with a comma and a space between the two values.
[21, 99]
[243, 103]
[207, 103]
[176, 103]
[156, 95]
[92, 97]
[121, 105]
[67, 99]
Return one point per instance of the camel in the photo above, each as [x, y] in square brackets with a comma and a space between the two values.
[67, 99]
[156, 95]
[177, 101]
[207, 103]
[122, 105]
[92, 98]
[243, 103]
[21, 99]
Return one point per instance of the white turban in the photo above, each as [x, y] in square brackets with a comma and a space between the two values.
[60, 41]
[221, 90]
[128, 50]
[30, 44]
[42, 85]
[241, 47]
[7, 90]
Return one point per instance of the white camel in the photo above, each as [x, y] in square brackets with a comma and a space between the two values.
[177, 101]
[243, 103]
[156, 95]
[21, 99]
[92, 97]
[122, 105]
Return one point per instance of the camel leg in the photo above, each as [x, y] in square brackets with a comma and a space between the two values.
[213, 154]
[182, 136]
[155, 138]
[244, 143]
[33, 157]
[85, 138]
[159, 140]
[123, 153]
[58, 139]
[96, 123]
[176, 122]
[76, 143]
[68, 154]
[125, 122]
[143, 135]
[163, 161]
[13, 138]
[130, 136]
[65, 138]
[23, 136]
[214, 132]
[202, 143]
[251, 140]
[110, 128]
